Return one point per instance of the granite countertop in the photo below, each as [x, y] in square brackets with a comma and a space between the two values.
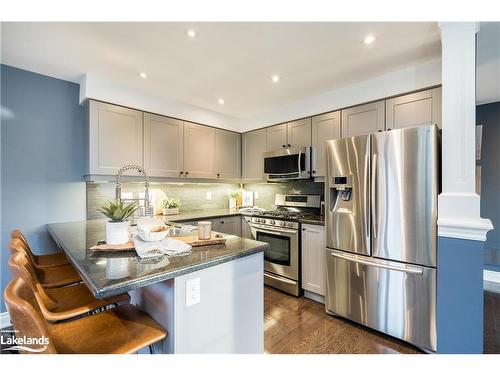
[114, 273]
[201, 214]
[195, 215]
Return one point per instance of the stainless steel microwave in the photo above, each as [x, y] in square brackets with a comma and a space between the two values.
[288, 164]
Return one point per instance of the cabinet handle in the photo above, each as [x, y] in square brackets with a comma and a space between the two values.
[314, 172]
[289, 145]
[187, 173]
[222, 222]
[284, 145]
[182, 172]
[218, 175]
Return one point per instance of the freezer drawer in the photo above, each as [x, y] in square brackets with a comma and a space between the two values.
[395, 298]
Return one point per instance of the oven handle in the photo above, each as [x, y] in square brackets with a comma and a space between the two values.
[298, 164]
[281, 231]
[411, 269]
[278, 278]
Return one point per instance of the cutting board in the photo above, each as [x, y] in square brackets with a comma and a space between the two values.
[194, 241]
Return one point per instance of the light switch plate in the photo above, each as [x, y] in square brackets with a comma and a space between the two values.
[209, 195]
[193, 292]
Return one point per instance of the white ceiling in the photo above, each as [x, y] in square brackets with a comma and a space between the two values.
[234, 61]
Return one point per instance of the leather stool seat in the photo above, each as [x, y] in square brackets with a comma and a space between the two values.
[124, 329]
[59, 303]
[40, 261]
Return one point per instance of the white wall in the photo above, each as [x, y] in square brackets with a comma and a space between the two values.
[404, 80]
[100, 88]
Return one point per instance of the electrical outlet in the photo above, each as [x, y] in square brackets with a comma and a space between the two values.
[209, 195]
[256, 195]
[193, 292]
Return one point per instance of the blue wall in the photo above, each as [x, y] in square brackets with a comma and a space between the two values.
[488, 115]
[41, 158]
[460, 296]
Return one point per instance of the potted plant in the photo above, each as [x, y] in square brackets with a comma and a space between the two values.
[170, 206]
[117, 229]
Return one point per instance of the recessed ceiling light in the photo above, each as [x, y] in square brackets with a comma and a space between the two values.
[221, 101]
[369, 39]
[191, 33]
[275, 78]
[143, 75]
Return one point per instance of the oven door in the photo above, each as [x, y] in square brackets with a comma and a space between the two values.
[282, 256]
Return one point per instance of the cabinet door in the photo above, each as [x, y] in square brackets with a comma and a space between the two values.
[227, 154]
[246, 229]
[313, 258]
[199, 151]
[216, 225]
[230, 225]
[115, 138]
[299, 133]
[163, 146]
[276, 137]
[254, 145]
[363, 119]
[324, 128]
[419, 108]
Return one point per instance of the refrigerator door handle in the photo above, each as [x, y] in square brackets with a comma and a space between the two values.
[367, 200]
[406, 269]
[373, 195]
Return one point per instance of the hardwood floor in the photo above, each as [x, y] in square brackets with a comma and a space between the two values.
[300, 325]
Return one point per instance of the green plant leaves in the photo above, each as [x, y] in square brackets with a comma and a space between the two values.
[118, 211]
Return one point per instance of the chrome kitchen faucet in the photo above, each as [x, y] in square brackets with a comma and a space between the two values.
[148, 210]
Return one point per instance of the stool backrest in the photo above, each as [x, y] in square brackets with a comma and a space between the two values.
[20, 267]
[25, 315]
[17, 244]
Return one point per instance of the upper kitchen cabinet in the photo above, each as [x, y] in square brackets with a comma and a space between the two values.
[324, 128]
[199, 151]
[363, 119]
[114, 138]
[254, 145]
[163, 146]
[419, 108]
[295, 134]
[299, 133]
[227, 154]
[276, 137]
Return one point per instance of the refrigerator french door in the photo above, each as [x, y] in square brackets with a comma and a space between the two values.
[381, 199]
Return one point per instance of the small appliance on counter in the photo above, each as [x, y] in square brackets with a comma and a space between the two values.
[280, 228]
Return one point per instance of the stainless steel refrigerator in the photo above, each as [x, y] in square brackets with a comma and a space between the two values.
[381, 213]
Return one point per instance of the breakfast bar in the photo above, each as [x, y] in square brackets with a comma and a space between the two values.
[210, 300]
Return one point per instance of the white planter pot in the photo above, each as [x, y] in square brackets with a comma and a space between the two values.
[170, 211]
[117, 233]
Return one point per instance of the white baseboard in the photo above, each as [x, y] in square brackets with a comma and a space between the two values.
[492, 281]
[4, 320]
[314, 296]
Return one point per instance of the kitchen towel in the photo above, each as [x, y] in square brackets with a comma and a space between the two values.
[169, 247]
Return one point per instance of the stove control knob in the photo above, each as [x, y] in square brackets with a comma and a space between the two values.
[282, 223]
[257, 220]
[271, 222]
[289, 225]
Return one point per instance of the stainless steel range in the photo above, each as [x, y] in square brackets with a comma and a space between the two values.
[281, 230]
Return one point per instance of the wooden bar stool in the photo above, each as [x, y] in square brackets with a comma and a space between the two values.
[60, 303]
[124, 329]
[50, 277]
[40, 261]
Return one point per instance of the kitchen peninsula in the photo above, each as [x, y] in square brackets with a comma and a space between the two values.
[210, 301]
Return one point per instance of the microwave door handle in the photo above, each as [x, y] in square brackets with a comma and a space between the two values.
[300, 172]
[408, 269]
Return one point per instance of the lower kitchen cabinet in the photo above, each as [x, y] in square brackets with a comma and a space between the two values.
[246, 229]
[313, 258]
[230, 225]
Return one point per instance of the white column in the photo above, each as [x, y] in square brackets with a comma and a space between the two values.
[459, 205]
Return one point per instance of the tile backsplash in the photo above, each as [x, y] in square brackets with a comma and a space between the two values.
[194, 195]
[267, 191]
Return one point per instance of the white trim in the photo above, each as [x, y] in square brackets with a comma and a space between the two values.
[492, 276]
[314, 296]
[465, 229]
[4, 320]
